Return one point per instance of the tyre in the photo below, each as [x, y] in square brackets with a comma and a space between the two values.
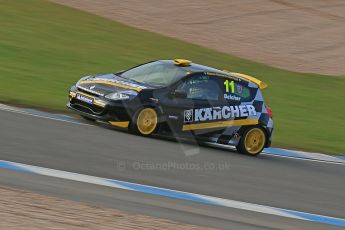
[145, 122]
[253, 141]
[88, 118]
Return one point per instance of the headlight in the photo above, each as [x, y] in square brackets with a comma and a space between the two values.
[117, 96]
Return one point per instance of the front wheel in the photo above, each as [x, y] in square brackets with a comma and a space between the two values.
[145, 122]
[253, 141]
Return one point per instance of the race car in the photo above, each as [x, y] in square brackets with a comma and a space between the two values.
[177, 97]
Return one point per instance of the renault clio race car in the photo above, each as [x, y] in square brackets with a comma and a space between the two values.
[177, 97]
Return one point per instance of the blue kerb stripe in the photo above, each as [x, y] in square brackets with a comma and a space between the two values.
[317, 218]
[163, 192]
[283, 152]
[288, 153]
[186, 196]
[10, 166]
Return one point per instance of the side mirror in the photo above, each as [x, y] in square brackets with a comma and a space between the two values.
[179, 94]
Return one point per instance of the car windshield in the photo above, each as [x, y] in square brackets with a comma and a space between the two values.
[158, 73]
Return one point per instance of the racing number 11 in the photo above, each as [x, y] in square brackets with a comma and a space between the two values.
[229, 86]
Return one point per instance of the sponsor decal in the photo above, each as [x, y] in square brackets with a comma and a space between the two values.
[219, 113]
[188, 115]
[231, 97]
[239, 89]
[85, 98]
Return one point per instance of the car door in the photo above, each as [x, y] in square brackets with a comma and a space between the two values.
[194, 93]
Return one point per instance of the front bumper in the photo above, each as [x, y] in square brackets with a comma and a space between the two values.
[100, 109]
[74, 108]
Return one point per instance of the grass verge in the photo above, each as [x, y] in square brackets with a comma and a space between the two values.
[45, 48]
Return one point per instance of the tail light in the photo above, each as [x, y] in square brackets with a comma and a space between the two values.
[269, 111]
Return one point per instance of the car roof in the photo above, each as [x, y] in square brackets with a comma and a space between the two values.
[194, 68]
[191, 67]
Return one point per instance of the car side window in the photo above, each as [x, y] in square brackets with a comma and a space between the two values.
[201, 87]
[236, 91]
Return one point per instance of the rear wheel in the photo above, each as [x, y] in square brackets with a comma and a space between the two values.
[145, 122]
[253, 141]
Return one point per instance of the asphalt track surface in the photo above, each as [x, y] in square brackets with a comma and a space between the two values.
[306, 186]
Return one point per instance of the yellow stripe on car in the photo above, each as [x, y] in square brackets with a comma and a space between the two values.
[122, 124]
[81, 93]
[111, 83]
[72, 94]
[99, 103]
[220, 124]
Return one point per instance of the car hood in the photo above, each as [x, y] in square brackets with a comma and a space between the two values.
[109, 83]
